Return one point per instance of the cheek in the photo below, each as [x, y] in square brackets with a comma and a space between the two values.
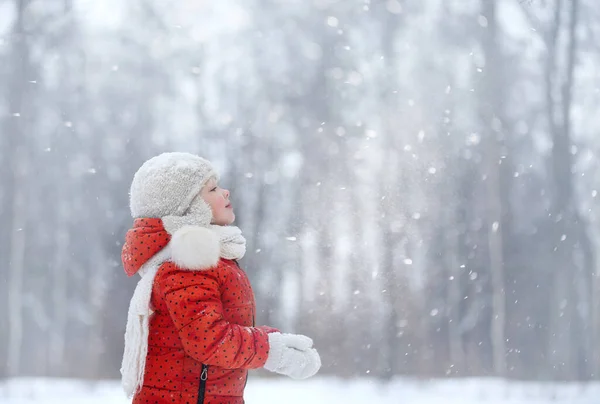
[217, 204]
[212, 200]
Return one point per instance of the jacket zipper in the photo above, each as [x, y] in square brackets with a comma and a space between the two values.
[202, 389]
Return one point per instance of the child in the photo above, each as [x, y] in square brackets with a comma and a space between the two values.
[190, 334]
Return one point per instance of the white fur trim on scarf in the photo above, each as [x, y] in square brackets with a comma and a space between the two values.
[192, 248]
[195, 247]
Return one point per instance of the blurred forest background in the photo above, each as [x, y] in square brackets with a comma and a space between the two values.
[417, 179]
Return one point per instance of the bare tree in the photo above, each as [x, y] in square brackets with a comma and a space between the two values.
[491, 114]
[16, 126]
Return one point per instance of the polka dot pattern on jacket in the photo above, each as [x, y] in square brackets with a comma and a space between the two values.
[202, 318]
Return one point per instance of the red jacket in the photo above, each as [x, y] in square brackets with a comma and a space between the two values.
[202, 335]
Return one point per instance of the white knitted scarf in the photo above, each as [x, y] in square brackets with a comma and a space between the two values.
[232, 246]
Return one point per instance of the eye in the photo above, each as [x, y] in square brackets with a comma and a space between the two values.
[214, 189]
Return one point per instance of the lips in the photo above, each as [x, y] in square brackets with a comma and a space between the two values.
[228, 205]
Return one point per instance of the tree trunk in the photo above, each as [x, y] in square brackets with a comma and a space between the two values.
[490, 113]
[564, 319]
[57, 340]
[595, 315]
[59, 295]
[454, 298]
[388, 182]
[17, 256]
[19, 164]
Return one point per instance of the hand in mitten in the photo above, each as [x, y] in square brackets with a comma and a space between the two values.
[292, 355]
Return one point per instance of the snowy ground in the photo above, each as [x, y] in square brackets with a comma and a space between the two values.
[325, 391]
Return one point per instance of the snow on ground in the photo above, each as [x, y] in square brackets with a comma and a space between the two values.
[324, 391]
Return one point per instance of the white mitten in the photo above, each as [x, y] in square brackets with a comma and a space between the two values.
[292, 355]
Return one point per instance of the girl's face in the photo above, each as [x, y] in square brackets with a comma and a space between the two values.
[218, 199]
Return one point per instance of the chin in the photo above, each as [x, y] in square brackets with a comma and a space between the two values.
[226, 221]
[231, 219]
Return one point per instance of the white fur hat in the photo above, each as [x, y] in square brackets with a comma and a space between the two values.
[167, 184]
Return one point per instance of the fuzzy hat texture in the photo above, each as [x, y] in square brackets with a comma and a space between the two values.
[166, 184]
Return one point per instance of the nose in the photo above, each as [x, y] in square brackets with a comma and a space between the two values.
[226, 193]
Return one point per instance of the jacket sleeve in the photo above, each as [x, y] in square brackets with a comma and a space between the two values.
[194, 304]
